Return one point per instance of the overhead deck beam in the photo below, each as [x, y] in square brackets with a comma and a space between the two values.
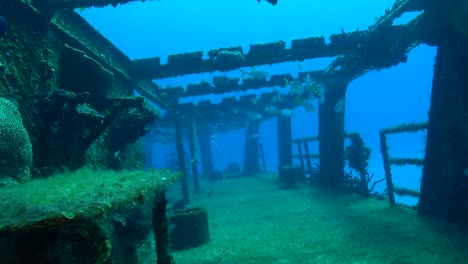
[232, 113]
[231, 58]
[384, 47]
[223, 84]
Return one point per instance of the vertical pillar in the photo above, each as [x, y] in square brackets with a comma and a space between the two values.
[331, 134]
[181, 158]
[205, 149]
[193, 153]
[444, 182]
[251, 165]
[284, 141]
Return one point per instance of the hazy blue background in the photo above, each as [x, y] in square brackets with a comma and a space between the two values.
[374, 101]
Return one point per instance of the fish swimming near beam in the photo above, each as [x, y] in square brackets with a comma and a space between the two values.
[254, 74]
[296, 87]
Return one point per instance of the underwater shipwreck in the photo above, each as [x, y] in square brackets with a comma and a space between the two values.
[78, 119]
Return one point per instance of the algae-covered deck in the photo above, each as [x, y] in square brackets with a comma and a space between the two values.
[80, 195]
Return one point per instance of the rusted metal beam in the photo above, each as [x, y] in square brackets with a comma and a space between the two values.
[231, 58]
[223, 84]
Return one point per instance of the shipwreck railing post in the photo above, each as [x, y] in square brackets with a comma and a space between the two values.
[386, 162]
[301, 158]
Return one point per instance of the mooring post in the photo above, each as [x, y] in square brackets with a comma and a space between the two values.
[331, 134]
[181, 158]
[251, 164]
[193, 153]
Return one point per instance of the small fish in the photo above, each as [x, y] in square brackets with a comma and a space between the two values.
[308, 81]
[253, 136]
[339, 107]
[254, 116]
[255, 74]
[321, 92]
[271, 110]
[117, 155]
[309, 105]
[314, 91]
[274, 99]
[3, 26]
[299, 65]
[286, 113]
[118, 218]
[296, 86]
[297, 101]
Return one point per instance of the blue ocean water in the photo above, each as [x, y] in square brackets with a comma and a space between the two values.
[375, 100]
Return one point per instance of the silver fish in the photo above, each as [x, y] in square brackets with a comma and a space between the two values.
[255, 74]
[286, 113]
[339, 107]
[271, 110]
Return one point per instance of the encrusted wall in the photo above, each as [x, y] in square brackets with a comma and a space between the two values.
[72, 88]
[28, 58]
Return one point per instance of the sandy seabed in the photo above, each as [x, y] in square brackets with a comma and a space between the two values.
[252, 220]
